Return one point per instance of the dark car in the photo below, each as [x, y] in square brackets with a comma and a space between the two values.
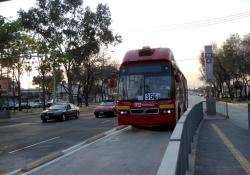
[106, 108]
[60, 111]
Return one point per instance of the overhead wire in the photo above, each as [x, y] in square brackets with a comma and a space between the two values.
[201, 23]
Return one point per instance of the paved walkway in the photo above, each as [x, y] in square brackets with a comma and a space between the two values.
[36, 111]
[223, 148]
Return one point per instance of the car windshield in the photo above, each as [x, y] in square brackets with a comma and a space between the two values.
[58, 106]
[107, 104]
[145, 83]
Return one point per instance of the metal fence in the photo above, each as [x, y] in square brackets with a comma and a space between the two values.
[175, 159]
[222, 108]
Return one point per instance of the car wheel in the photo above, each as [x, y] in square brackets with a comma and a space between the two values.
[63, 118]
[96, 115]
[44, 120]
[77, 115]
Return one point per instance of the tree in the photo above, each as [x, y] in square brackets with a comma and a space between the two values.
[219, 71]
[37, 80]
[104, 73]
[246, 62]
[231, 60]
[73, 34]
[231, 65]
[15, 49]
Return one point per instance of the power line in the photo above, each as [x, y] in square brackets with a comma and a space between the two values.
[212, 20]
[201, 23]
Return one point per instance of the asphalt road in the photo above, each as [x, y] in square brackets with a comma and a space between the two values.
[27, 139]
[132, 151]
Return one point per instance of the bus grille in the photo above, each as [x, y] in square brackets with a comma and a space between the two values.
[144, 111]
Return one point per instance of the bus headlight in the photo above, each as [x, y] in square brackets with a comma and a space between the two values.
[123, 112]
[168, 111]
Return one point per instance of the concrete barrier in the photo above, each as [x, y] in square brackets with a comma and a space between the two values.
[175, 159]
[42, 161]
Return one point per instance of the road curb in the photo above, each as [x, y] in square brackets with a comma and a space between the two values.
[42, 161]
[96, 137]
[17, 115]
[120, 127]
[237, 105]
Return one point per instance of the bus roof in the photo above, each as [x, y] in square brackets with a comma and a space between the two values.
[148, 54]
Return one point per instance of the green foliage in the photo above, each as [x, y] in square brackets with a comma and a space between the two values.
[70, 33]
[37, 80]
[231, 66]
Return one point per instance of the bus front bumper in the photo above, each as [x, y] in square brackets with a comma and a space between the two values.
[147, 120]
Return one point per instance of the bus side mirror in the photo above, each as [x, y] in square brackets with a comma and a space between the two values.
[177, 78]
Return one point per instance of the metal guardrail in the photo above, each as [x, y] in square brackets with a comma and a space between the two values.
[222, 108]
[175, 159]
[238, 112]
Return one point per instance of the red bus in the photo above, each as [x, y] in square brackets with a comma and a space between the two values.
[152, 90]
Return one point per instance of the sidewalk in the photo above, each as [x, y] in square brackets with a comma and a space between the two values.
[37, 111]
[241, 105]
[223, 148]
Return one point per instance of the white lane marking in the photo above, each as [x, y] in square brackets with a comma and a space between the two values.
[15, 125]
[11, 152]
[82, 145]
[106, 121]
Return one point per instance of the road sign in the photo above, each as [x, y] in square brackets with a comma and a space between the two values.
[208, 63]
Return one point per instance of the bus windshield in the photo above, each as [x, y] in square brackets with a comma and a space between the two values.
[150, 82]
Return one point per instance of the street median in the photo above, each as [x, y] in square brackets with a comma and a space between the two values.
[42, 161]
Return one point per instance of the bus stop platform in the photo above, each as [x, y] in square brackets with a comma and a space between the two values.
[223, 147]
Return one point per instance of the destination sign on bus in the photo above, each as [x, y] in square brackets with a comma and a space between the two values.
[148, 68]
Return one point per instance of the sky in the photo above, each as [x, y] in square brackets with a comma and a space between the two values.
[159, 23]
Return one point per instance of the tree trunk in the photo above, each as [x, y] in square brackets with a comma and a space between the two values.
[79, 103]
[86, 98]
[230, 90]
[245, 89]
[71, 93]
[102, 92]
[248, 92]
[19, 90]
[220, 89]
[43, 90]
